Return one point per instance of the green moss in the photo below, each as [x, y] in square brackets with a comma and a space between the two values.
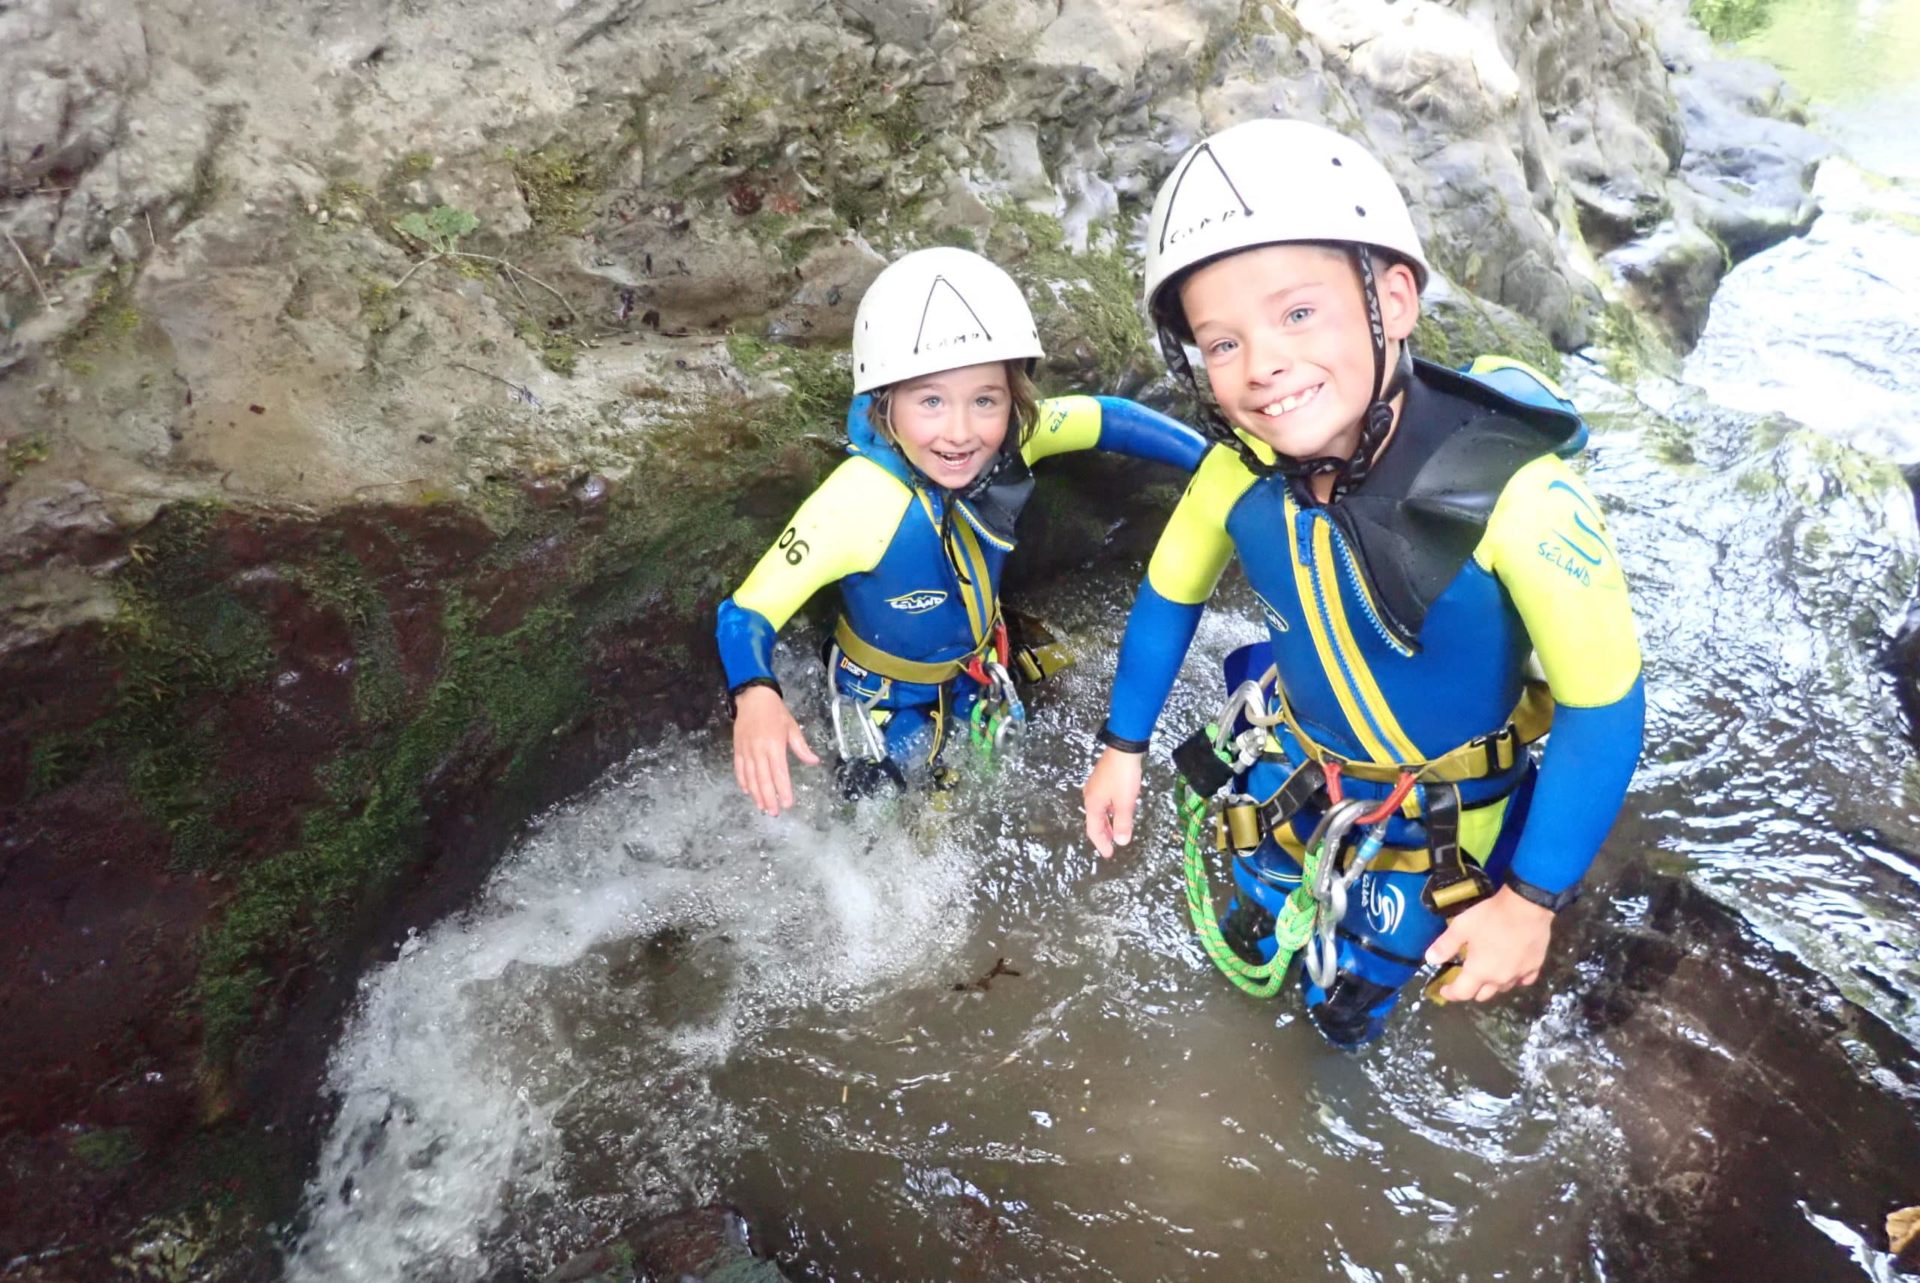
[57, 760]
[819, 380]
[1731, 20]
[1632, 346]
[175, 782]
[377, 308]
[350, 197]
[107, 1150]
[1466, 328]
[1899, 218]
[558, 184]
[414, 164]
[111, 318]
[516, 689]
[558, 349]
[1084, 301]
[17, 454]
[1259, 21]
[958, 237]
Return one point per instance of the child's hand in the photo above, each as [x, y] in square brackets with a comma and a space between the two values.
[763, 731]
[1112, 794]
[1509, 937]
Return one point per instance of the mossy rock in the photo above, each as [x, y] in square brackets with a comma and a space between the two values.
[1456, 326]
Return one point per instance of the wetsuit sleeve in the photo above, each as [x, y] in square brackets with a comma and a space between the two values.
[1186, 565]
[842, 529]
[1548, 545]
[1116, 425]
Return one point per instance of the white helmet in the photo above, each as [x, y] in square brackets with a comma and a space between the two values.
[938, 309]
[1266, 182]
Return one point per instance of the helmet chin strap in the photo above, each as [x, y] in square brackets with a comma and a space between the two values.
[1376, 421]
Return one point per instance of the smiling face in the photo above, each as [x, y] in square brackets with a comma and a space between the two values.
[951, 424]
[1283, 335]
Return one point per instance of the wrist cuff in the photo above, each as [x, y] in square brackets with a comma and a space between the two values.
[1107, 737]
[1550, 900]
[733, 692]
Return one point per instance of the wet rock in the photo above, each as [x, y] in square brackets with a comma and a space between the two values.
[68, 68]
[832, 279]
[1737, 1065]
[1671, 275]
[705, 1246]
[1751, 174]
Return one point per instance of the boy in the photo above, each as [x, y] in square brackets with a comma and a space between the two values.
[1412, 536]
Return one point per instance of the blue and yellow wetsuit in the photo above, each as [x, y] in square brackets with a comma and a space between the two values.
[918, 566]
[1401, 617]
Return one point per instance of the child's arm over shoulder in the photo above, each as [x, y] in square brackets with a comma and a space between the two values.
[1116, 425]
[1548, 544]
[842, 529]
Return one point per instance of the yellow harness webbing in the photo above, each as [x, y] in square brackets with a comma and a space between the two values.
[1476, 759]
[920, 672]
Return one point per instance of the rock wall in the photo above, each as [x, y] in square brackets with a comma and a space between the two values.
[388, 391]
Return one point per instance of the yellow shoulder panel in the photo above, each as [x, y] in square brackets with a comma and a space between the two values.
[1066, 424]
[1195, 546]
[842, 529]
[1548, 544]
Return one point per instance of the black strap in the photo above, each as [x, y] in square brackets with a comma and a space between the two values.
[1454, 885]
[1196, 759]
[1546, 899]
[733, 693]
[1303, 788]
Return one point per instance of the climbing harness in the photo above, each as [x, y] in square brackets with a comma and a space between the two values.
[998, 713]
[1310, 917]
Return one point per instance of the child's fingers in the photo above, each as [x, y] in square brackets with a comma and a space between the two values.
[1099, 826]
[782, 782]
[766, 790]
[1447, 947]
[797, 741]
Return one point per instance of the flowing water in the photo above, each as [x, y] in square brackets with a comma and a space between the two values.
[663, 999]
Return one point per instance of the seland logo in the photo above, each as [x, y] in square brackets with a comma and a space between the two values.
[948, 320]
[1274, 617]
[1203, 196]
[916, 603]
[1385, 905]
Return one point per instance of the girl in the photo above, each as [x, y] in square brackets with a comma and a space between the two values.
[916, 526]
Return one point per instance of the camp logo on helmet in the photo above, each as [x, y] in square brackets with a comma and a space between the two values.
[942, 323]
[1210, 188]
[915, 603]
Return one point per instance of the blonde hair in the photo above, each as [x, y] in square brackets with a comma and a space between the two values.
[1023, 416]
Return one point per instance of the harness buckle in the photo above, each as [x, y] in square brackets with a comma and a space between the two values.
[1451, 891]
[1238, 827]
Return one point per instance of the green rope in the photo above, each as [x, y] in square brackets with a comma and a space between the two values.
[984, 727]
[1291, 930]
